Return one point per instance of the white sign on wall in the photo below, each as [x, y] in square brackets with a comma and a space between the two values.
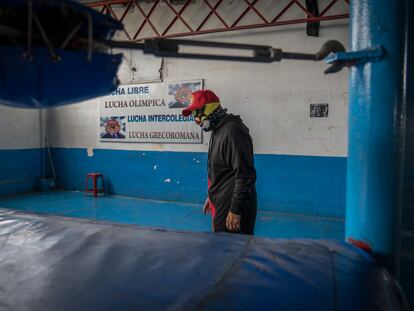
[149, 113]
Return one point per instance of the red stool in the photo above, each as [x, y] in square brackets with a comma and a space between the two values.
[95, 177]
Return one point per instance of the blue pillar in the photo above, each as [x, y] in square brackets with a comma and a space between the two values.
[375, 140]
[407, 239]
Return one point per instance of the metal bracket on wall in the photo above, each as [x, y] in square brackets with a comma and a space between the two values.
[346, 59]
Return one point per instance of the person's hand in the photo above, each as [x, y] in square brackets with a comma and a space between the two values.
[233, 222]
[206, 207]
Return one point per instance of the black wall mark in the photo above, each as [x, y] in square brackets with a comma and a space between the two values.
[319, 110]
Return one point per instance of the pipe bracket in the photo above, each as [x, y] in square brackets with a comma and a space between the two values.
[340, 60]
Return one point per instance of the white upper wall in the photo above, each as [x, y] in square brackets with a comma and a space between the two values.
[273, 99]
[21, 128]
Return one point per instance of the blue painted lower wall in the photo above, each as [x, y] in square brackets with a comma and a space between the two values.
[293, 184]
[20, 169]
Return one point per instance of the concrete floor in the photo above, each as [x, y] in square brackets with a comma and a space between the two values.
[167, 215]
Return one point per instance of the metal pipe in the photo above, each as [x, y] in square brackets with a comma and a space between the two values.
[54, 56]
[71, 35]
[258, 53]
[90, 37]
[28, 53]
[374, 130]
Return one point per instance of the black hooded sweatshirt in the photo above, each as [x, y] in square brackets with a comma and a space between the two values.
[232, 174]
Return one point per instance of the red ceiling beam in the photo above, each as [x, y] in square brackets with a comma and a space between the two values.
[105, 6]
[212, 11]
[146, 19]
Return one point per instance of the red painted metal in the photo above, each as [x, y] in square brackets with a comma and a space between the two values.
[243, 15]
[251, 6]
[178, 16]
[213, 10]
[106, 7]
[328, 7]
[126, 10]
[361, 244]
[304, 9]
[287, 7]
[146, 17]
[110, 11]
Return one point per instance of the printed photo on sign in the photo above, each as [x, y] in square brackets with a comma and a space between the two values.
[113, 127]
[180, 93]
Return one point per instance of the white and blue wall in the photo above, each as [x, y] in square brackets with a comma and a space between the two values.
[21, 149]
[300, 161]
